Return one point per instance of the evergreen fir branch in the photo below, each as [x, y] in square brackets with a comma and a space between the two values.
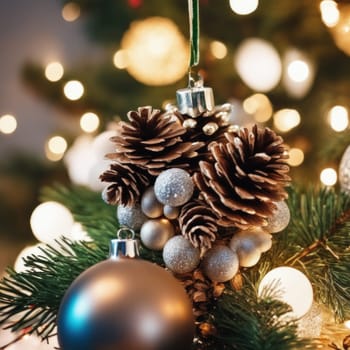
[246, 322]
[97, 218]
[317, 242]
[30, 300]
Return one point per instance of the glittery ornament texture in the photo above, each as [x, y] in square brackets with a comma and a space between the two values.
[180, 256]
[132, 217]
[279, 219]
[344, 171]
[173, 187]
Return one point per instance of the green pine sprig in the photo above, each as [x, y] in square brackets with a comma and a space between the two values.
[316, 241]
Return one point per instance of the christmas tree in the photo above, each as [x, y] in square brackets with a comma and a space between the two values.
[262, 253]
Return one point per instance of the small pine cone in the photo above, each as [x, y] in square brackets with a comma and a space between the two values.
[204, 129]
[151, 140]
[127, 183]
[201, 291]
[198, 224]
[244, 177]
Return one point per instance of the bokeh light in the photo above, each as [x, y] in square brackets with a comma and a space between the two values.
[54, 71]
[286, 119]
[338, 118]
[347, 324]
[50, 220]
[55, 148]
[298, 70]
[298, 73]
[296, 157]
[328, 177]
[244, 7]
[71, 11]
[258, 64]
[89, 122]
[329, 12]
[73, 90]
[218, 49]
[120, 59]
[8, 124]
[157, 52]
[259, 106]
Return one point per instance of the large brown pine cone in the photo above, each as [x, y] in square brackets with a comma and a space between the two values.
[197, 223]
[127, 183]
[152, 141]
[244, 177]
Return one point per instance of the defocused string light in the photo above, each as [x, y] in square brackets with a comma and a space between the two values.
[347, 324]
[328, 177]
[55, 148]
[259, 106]
[338, 118]
[286, 119]
[258, 64]
[54, 71]
[89, 122]
[244, 7]
[329, 12]
[218, 49]
[162, 47]
[8, 124]
[298, 70]
[73, 90]
[120, 59]
[71, 11]
[296, 157]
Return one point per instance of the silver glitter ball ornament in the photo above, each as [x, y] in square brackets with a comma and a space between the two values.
[246, 245]
[220, 263]
[180, 256]
[173, 187]
[150, 205]
[156, 232]
[171, 212]
[132, 217]
[279, 219]
[344, 171]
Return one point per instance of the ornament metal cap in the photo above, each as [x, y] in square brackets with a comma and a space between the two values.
[195, 99]
[124, 247]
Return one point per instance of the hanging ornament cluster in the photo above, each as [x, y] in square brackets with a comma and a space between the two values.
[203, 191]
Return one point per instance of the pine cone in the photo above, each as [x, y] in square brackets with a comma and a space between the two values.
[128, 182]
[201, 291]
[152, 141]
[198, 224]
[246, 175]
[204, 129]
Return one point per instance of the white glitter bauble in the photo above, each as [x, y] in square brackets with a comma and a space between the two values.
[180, 256]
[132, 217]
[150, 205]
[344, 171]
[247, 248]
[174, 187]
[279, 219]
[220, 263]
[156, 232]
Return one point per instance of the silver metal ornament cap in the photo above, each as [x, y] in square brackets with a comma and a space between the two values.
[195, 100]
[124, 247]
